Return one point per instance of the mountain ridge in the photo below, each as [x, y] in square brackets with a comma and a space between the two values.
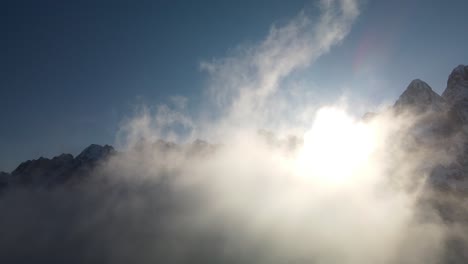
[418, 97]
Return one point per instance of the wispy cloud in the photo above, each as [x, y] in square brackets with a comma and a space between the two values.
[241, 84]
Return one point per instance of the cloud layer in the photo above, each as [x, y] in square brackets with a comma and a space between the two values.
[337, 190]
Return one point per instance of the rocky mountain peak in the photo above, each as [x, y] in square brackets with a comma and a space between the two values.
[419, 97]
[95, 152]
[59, 169]
[457, 85]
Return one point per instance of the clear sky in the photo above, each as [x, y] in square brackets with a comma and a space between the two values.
[71, 71]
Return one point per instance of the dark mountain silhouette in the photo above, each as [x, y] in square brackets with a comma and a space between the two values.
[44, 172]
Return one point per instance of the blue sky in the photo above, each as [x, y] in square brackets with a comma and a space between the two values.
[72, 71]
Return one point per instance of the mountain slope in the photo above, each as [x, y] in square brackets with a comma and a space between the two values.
[457, 85]
[419, 97]
[58, 170]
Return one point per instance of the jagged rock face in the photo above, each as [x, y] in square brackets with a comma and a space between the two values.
[95, 152]
[419, 97]
[456, 94]
[43, 170]
[427, 114]
[457, 85]
[60, 169]
[454, 176]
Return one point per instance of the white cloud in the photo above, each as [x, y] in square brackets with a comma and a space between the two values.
[328, 200]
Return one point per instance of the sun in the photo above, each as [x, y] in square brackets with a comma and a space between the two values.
[335, 148]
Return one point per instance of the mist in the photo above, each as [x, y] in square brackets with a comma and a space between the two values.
[258, 176]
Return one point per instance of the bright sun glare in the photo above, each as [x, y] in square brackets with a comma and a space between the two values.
[335, 148]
